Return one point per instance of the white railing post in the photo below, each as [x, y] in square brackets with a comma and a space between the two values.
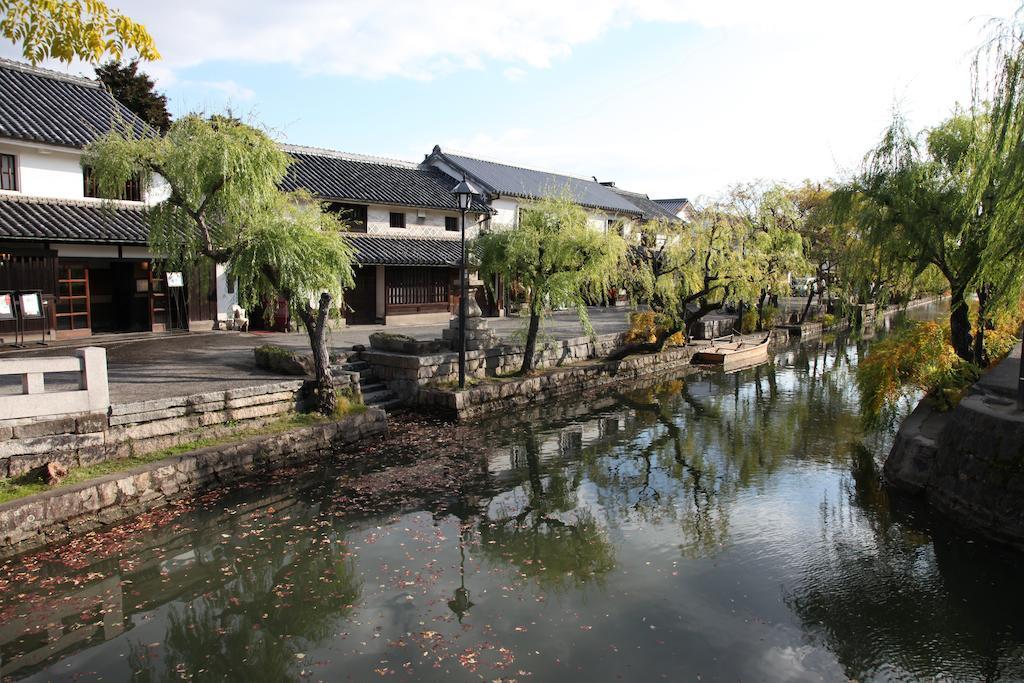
[94, 377]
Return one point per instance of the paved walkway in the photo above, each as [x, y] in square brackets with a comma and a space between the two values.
[143, 367]
[1002, 379]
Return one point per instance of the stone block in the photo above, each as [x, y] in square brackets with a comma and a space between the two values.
[49, 444]
[149, 406]
[59, 425]
[93, 422]
[148, 416]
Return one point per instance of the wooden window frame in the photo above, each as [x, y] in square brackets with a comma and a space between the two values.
[451, 223]
[9, 177]
[355, 216]
[70, 306]
[417, 289]
[132, 187]
[399, 218]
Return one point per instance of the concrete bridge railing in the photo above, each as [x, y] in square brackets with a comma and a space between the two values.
[92, 395]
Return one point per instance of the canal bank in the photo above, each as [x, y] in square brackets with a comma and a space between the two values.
[968, 463]
[64, 512]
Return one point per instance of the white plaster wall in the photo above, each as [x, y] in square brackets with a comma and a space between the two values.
[136, 252]
[47, 172]
[378, 222]
[86, 251]
[225, 299]
[50, 171]
[508, 211]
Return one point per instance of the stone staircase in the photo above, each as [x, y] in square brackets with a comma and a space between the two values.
[375, 393]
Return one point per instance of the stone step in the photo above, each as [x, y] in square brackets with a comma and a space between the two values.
[390, 404]
[372, 391]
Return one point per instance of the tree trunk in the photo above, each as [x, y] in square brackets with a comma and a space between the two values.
[981, 358]
[644, 347]
[316, 327]
[760, 311]
[531, 340]
[807, 306]
[960, 324]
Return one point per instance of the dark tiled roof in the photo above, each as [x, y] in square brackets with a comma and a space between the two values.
[651, 210]
[57, 220]
[673, 205]
[334, 175]
[39, 105]
[405, 251]
[525, 182]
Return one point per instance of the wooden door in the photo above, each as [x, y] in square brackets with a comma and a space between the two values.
[361, 302]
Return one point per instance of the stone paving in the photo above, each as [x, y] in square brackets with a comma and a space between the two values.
[143, 367]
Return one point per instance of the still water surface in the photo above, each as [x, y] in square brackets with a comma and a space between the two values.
[727, 527]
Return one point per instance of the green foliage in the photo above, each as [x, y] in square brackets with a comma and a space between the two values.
[643, 327]
[828, 320]
[748, 323]
[554, 256]
[72, 29]
[769, 317]
[136, 91]
[223, 177]
[295, 250]
[225, 205]
[913, 204]
[917, 358]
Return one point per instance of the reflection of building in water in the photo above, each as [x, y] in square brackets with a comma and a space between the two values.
[61, 623]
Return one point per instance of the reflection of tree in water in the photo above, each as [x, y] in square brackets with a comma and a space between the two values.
[256, 624]
[548, 539]
[893, 600]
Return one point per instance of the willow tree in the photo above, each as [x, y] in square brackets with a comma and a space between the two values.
[224, 204]
[774, 220]
[66, 30]
[683, 271]
[912, 200]
[556, 257]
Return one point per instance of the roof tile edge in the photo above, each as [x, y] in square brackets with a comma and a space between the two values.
[48, 73]
[349, 156]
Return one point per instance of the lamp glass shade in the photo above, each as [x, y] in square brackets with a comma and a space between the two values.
[464, 192]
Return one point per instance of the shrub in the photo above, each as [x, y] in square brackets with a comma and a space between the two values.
[828, 320]
[748, 323]
[644, 328]
[769, 316]
[916, 358]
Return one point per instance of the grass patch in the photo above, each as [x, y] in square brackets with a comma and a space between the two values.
[30, 484]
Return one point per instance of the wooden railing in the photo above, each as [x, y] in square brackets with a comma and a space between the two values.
[91, 396]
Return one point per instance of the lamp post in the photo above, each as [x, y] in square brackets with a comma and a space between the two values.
[463, 192]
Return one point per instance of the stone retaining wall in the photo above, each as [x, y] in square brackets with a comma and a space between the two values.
[499, 396]
[406, 374]
[968, 463]
[147, 426]
[47, 517]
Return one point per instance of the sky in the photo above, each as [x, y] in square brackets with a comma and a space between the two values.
[674, 99]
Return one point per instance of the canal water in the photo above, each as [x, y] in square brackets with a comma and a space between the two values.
[723, 527]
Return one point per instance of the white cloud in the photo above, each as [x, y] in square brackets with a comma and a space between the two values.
[514, 73]
[784, 89]
[229, 89]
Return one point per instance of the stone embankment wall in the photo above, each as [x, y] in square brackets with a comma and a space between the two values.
[144, 427]
[406, 374]
[51, 516]
[968, 463]
[506, 395]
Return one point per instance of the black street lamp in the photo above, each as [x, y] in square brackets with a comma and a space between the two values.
[463, 192]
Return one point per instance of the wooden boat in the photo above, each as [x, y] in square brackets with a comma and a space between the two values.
[730, 352]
